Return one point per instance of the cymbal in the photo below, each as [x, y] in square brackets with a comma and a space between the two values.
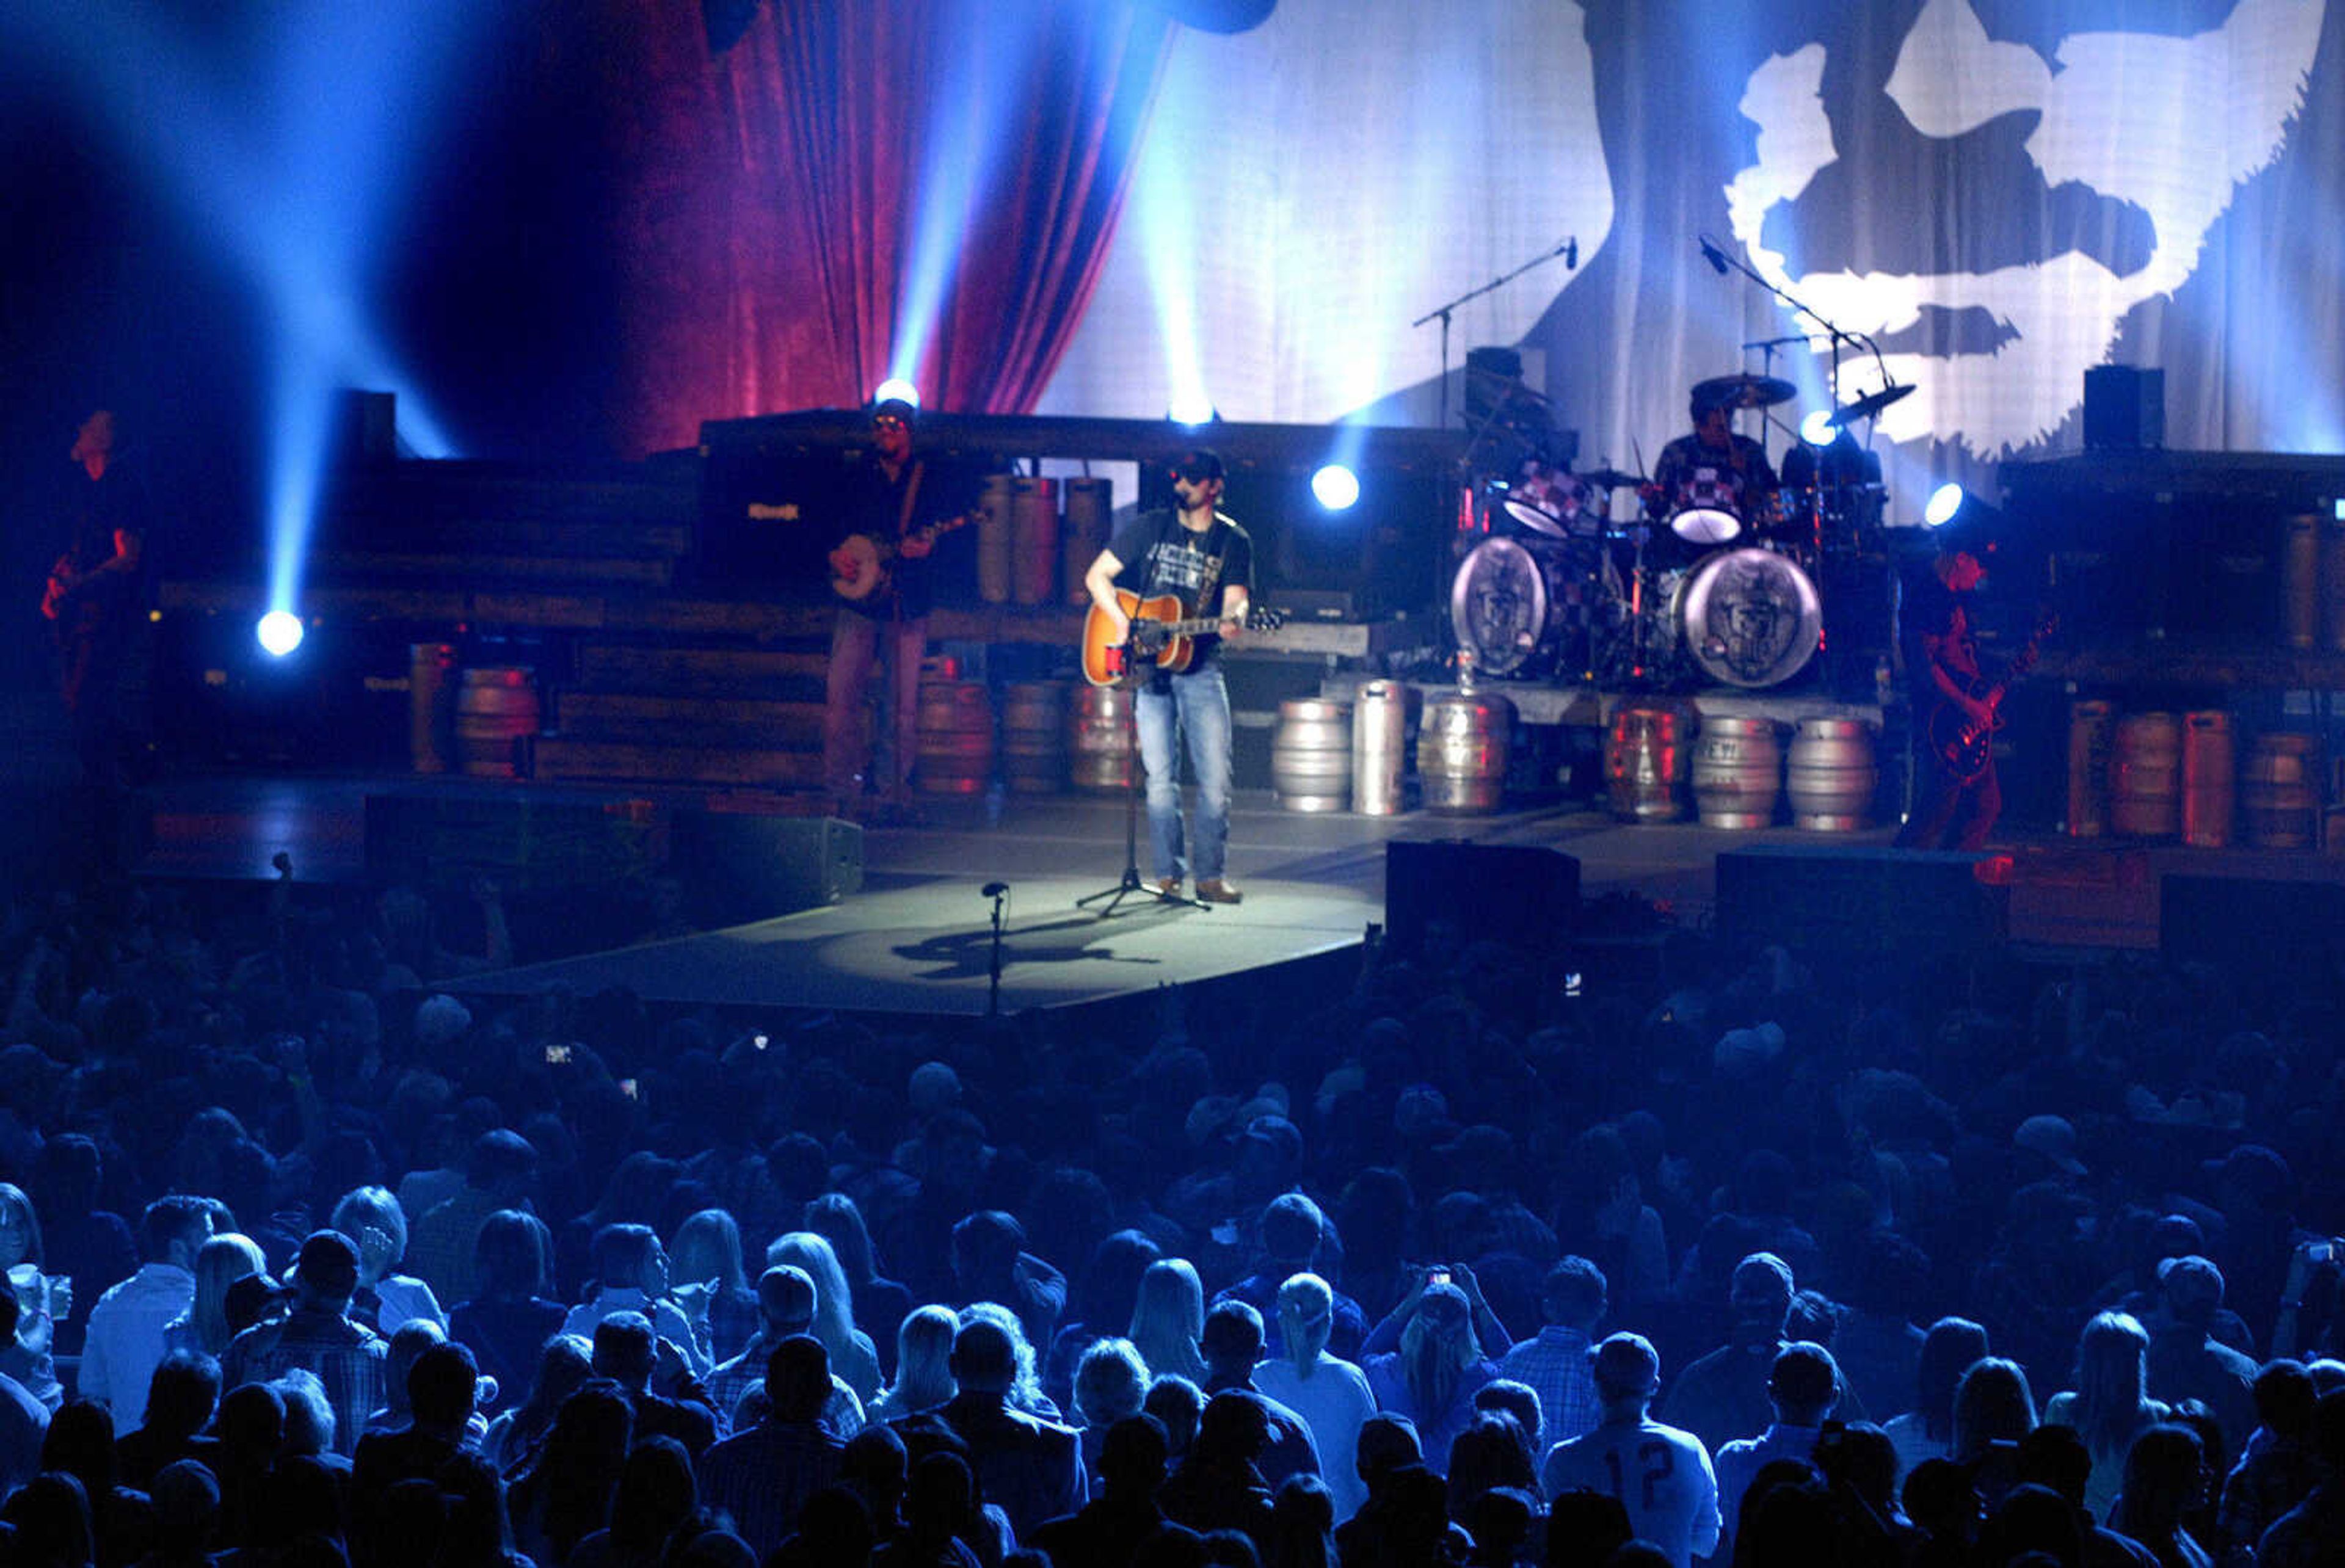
[1609, 479]
[1866, 407]
[1744, 391]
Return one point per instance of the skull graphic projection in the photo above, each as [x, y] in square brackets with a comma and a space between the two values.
[2132, 144]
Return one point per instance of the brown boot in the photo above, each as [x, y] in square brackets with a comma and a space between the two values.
[1214, 890]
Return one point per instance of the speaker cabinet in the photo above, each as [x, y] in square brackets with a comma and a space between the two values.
[739, 866]
[2125, 409]
[1857, 900]
[1519, 894]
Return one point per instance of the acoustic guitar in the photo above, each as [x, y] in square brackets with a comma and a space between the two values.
[1162, 637]
[1964, 746]
[859, 563]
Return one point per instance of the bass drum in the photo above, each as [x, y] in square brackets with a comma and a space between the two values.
[1514, 605]
[1750, 617]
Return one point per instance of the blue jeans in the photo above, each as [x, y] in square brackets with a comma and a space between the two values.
[1198, 706]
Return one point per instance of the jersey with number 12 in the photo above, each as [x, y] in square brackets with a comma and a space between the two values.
[1663, 1475]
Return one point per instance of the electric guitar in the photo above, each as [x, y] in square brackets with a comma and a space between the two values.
[859, 563]
[1164, 640]
[1964, 744]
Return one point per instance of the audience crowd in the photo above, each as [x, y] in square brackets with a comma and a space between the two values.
[1646, 1251]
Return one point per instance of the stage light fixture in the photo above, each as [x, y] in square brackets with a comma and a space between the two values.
[897, 389]
[280, 633]
[1944, 504]
[1335, 487]
[1817, 430]
[1190, 411]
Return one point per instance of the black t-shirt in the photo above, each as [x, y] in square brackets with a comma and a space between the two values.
[875, 507]
[1159, 556]
[98, 508]
[1925, 613]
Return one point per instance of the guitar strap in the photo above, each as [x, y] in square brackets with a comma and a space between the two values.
[1211, 581]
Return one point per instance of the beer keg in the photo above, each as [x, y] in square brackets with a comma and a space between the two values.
[1736, 770]
[1461, 751]
[955, 738]
[2144, 769]
[497, 721]
[1311, 755]
[1831, 775]
[1645, 761]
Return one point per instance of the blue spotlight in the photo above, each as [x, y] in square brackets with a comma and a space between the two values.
[1192, 410]
[1944, 504]
[280, 633]
[1817, 430]
[1335, 487]
[896, 388]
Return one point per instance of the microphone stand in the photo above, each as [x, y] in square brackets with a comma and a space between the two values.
[1131, 882]
[999, 892]
[1569, 251]
[1717, 256]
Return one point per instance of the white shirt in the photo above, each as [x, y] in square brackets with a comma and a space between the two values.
[125, 1343]
[668, 1321]
[1740, 1461]
[1332, 1402]
[1661, 1475]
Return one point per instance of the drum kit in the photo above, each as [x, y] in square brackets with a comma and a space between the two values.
[1702, 585]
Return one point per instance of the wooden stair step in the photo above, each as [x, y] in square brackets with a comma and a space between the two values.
[702, 671]
[698, 720]
[561, 757]
[466, 566]
[471, 533]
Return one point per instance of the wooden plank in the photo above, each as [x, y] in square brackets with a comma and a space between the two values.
[709, 672]
[667, 718]
[474, 532]
[559, 757]
[581, 612]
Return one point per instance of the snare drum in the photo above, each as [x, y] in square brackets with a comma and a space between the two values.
[1519, 606]
[1705, 525]
[1749, 617]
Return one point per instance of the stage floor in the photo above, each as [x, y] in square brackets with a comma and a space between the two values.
[916, 939]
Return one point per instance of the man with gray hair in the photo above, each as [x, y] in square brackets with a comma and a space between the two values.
[785, 1306]
[1661, 1474]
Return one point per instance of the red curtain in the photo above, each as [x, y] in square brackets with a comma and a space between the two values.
[770, 199]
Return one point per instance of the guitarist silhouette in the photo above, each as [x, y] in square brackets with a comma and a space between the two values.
[1960, 795]
[888, 625]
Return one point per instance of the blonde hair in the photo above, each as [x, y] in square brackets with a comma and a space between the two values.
[1307, 1317]
[834, 1299]
[219, 1263]
[1167, 1317]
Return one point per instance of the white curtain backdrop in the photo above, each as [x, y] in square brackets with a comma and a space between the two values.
[2000, 193]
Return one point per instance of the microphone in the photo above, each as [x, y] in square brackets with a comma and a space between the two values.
[1571, 254]
[993, 889]
[1713, 254]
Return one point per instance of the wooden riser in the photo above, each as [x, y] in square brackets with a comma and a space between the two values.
[570, 541]
[565, 571]
[560, 758]
[758, 674]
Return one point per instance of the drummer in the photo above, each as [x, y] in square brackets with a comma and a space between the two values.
[1714, 467]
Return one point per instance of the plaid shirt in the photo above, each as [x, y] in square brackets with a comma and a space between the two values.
[348, 1358]
[1555, 1362]
[842, 1413]
[440, 1245]
[763, 1477]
